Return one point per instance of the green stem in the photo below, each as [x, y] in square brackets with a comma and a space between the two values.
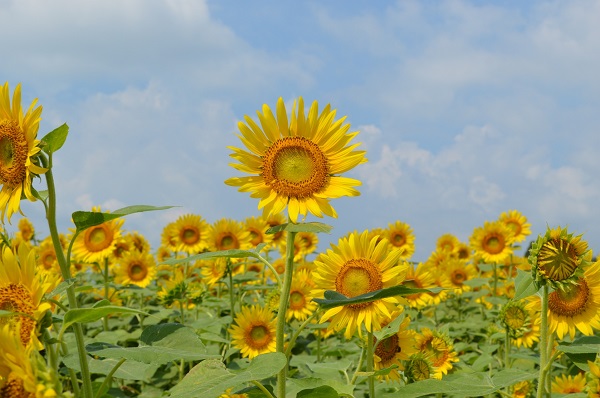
[231, 292]
[370, 357]
[283, 306]
[543, 346]
[105, 277]
[66, 274]
[262, 388]
[297, 333]
[108, 377]
[507, 350]
[361, 360]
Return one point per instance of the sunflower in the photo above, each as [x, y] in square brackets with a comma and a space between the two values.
[257, 227]
[18, 150]
[568, 384]
[441, 280]
[436, 346]
[593, 380]
[448, 243]
[22, 290]
[296, 163]
[394, 349]
[138, 241]
[522, 389]
[168, 237]
[181, 290]
[135, 268]
[308, 242]
[300, 305]
[229, 394]
[227, 234]
[517, 223]
[96, 243]
[401, 235]
[254, 331]
[419, 277]
[418, 367]
[273, 220]
[212, 270]
[522, 325]
[188, 234]
[359, 265]
[492, 242]
[46, 258]
[26, 230]
[458, 272]
[575, 306]
[558, 257]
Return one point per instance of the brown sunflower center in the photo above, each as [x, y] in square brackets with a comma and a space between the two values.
[256, 236]
[98, 238]
[388, 348]
[398, 239]
[358, 276]
[16, 298]
[458, 276]
[48, 258]
[557, 259]
[295, 167]
[494, 243]
[259, 337]
[14, 388]
[515, 227]
[13, 154]
[227, 241]
[297, 300]
[190, 235]
[137, 271]
[570, 302]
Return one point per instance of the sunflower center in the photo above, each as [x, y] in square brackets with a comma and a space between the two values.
[14, 388]
[98, 238]
[388, 348]
[557, 259]
[358, 276]
[48, 258]
[256, 236]
[295, 167]
[137, 271]
[227, 241]
[398, 239]
[259, 336]
[13, 154]
[570, 302]
[515, 227]
[458, 276]
[16, 298]
[190, 235]
[494, 243]
[297, 301]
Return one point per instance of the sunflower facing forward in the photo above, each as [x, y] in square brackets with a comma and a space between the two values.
[296, 163]
[254, 331]
[359, 265]
[18, 147]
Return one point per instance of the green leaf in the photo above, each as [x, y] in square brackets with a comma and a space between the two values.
[210, 377]
[99, 311]
[130, 370]
[64, 285]
[233, 253]
[87, 219]
[334, 299]
[55, 139]
[390, 329]
[315, 227]
[41, 195]
[582, 345]
[524, 286]
[309, 383]
[319, 392]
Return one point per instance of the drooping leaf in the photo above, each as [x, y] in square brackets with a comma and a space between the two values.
[524, 286]
[315, 227]
[87, 219]
[390, 329]
[333, 299]
[129, 370]
[55, 139]
[86, 315]
[210, 378]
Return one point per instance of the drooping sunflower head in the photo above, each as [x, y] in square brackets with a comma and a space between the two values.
[401, 236]
[135, 268]
[253, 331]
[492, 242]
[558, 257]
[517, 223]
[296, 163]
[18, 150]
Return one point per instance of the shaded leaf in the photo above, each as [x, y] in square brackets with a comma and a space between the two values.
[87, 219]
[524, 286]
[129, 370]
[334, 299]
[315, 227]
[319, 392]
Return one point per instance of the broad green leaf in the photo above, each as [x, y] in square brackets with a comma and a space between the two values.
[87, 219]
[309, 383]
[524, 286]
[55, 139]
[63, 286]
[210, 377]
[41, 195]
[315, 227]
[582, 345]
[85, 315]
[233, 253]
[390, 329]
[319, 392]
[129, 370]
[334, 299]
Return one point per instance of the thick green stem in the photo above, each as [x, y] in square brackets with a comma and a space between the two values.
[370, 357]
[543, 346]
[283, 306]
[66, 274]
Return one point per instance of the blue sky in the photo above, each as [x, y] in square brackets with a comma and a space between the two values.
[466, 109]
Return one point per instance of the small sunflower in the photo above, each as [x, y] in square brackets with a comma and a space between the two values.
[517, 223]
[138, 241]
[401, 236]
[568, 384]
[458, 272]
[257, 227]
[96, 243]
[359, 265]
[189, 234]
[273, 220]
[492, 242]
[448, 243]
[558, 257]
[212, 270]
[297, 163]
[227, 234]
[515, 317]
[308, 242]
[135, 268]
[168, 237]
[395, 349]
[522, 389]
[300, 305]
[26, 230]
[254, 331]
[18, 150]
[46, 258]
[22, 290]
[436, 346]
[419, 277]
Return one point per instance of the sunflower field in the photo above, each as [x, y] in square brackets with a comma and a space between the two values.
[254, 308]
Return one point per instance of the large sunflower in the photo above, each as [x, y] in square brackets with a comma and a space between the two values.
[135, 268]
[18, 149]
[492, 242]
[296, 163]
[22, 290]
[98, 242]
[359, 265]
[254, 331]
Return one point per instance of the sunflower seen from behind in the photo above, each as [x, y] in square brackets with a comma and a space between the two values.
[18, 150]
[358, 265]
[253, 331]
[296, 163]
